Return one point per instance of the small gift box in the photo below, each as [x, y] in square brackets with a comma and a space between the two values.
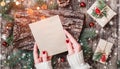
[103, 50]
[100, 12]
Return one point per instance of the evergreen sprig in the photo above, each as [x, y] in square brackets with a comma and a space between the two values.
[85, 35]
[97, 56]
[118, 63]
[9, 40]
[22, 57]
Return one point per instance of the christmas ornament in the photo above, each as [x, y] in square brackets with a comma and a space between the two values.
[82, 4]
[91, 24]
[63, 3]
[2, 3]
[100, 12]
[4, 43]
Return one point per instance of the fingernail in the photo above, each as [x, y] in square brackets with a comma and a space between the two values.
[67, 41]
[44, 52]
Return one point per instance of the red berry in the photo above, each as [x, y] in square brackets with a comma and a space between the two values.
[82, 4]
[103, 58]
[4, 43]
[62, 60]
[91, 24]
[98, 11]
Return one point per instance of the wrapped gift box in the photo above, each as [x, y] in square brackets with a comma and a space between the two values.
[103, 50]
[101, 13]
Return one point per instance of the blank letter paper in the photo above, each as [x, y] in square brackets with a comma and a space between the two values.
[49, 35]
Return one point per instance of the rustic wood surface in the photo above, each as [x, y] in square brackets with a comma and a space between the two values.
[110, 33]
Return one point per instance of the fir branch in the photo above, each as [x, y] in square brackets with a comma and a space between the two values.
[97, 56]
[85, 35]
[118, 63]
[9, 40]
[7, 17]
[26, 61]
[53, 6]
[101, 4]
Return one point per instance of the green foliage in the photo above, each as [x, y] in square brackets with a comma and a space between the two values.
[118, 63]
[97, 56]
[24, 58]
[102, 6]
[53, 6]
[96, 15]
[7, 17]
[9, 40]
[86, 34]
[104, 13]
[40, 2]
[5, 10]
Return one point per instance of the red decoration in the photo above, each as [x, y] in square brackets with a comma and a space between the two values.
[98, 11]
[62, 60]
[103, 58]
[91, 24]
[5, 44]
[82, 4]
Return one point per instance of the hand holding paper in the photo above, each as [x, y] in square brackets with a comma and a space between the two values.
[49, 35]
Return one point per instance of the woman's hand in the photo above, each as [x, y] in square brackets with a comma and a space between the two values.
[39, 58]
[72, 45]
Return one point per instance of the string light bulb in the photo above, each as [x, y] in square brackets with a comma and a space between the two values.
[17, 3]
[2, 3]
[38, 8]
[51, 2]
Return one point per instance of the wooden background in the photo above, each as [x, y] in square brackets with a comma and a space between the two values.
[109, 32]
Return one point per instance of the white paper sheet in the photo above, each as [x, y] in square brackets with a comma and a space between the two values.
[49, 35]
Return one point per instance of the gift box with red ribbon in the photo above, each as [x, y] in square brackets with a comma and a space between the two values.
[103, 50]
